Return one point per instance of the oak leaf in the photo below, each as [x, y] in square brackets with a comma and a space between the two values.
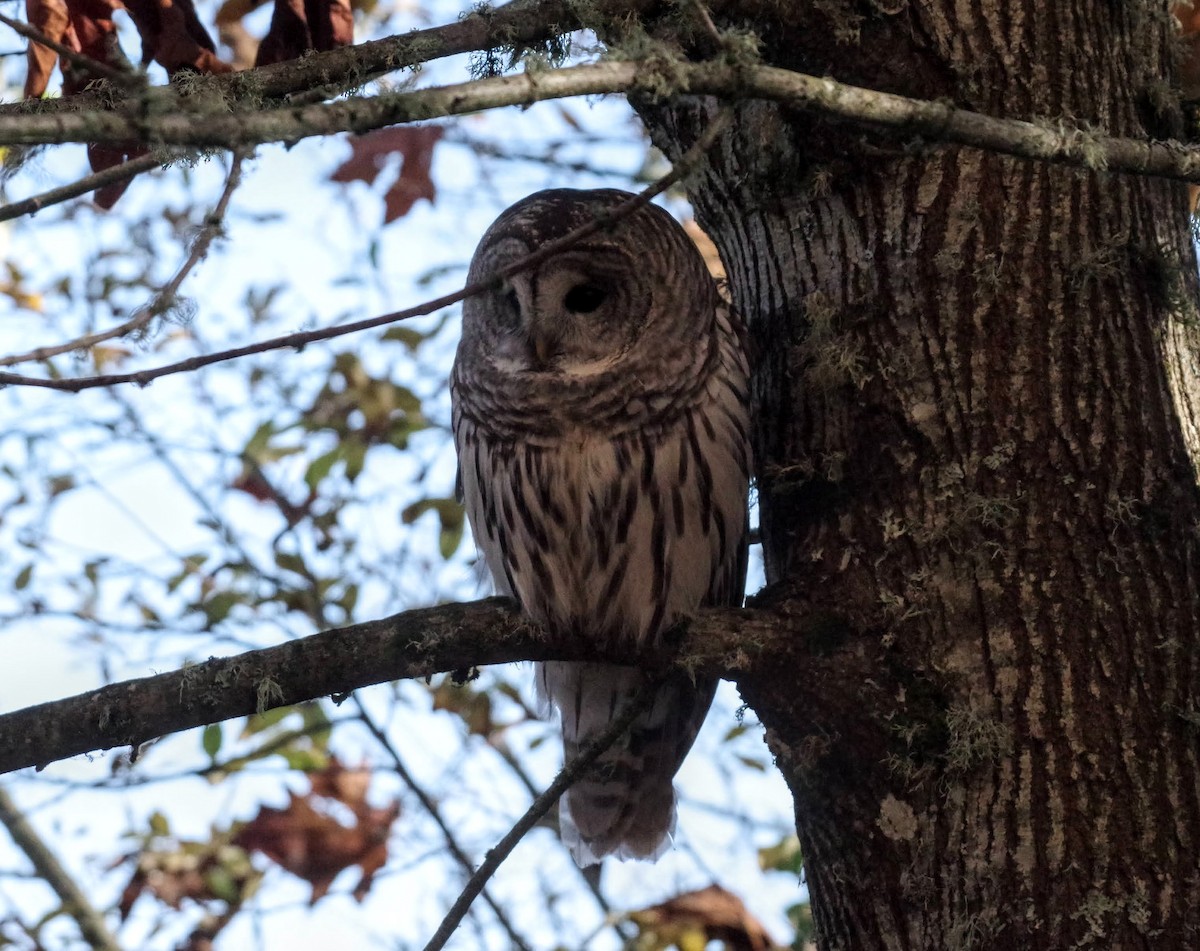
[694, 919]
[308, 840]
[298, 26]
[370, 154]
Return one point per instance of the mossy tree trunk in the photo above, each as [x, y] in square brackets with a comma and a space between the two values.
[973, 415]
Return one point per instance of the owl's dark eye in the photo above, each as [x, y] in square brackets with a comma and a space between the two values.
[511, 301]
[584, 298]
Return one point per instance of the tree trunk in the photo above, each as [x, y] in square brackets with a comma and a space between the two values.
[972, 393]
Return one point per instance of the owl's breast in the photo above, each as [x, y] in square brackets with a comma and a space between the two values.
[609, 537]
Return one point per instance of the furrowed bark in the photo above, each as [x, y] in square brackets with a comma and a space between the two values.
[974, 399]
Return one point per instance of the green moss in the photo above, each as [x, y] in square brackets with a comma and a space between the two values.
[974, 739]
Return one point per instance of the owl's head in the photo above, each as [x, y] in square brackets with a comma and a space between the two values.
[636, 289]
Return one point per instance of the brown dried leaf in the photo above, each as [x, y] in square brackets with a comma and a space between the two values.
[312, 844]
[1188, 15]
[708, 250]
[51, 18]
[348, 786]
[369, 154]
[101, 157]
[233, 33]
[173, 36]
[298, 26]
[171, 32]
[233, 10]
[473, 707]
[197, 871]
[711, 914]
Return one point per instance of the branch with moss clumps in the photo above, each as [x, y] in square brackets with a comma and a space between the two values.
[939, 122]
[418, 643]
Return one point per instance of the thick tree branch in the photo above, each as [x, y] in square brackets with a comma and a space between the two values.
[1047, 141]
[518, 25]
[416, 643]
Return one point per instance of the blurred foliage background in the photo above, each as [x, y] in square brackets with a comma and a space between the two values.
[287, 492]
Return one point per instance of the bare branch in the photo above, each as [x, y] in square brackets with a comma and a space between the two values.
[108, 176]
[1059, 142]
[570, 772]
[75, 903]
[431, 808]
[418, 643]
[684, 166]
[165, 298]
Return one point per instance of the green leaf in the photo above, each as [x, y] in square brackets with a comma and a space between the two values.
[320, 467]
[223, 885]
[408, 336]
[258, 442]
[783, 856]
[211, 739]
[305, 760]
[217, 608]
[259, 722]
[22, 580]
[159, 824]
[800, 915]
[451, 515]
[191, 564]
[290, 562]
[355, 452]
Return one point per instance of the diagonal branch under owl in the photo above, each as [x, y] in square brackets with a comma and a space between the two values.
[573, 769]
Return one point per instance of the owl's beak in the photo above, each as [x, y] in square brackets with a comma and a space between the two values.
[543, 347]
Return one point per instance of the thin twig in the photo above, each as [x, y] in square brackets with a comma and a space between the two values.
[108, 176]
[75, 903]
[75, 58]
[300, 339]
[434, 813]
[590, 881]
[710, 28]
[166, 296]
[567, 776]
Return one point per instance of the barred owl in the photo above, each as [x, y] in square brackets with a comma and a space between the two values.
[600, 416]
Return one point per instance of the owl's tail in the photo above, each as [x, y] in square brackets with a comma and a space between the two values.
[624, 805]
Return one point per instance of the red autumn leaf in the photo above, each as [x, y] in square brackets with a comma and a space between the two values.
[298, 26]
[51, 18]
[173, 36]
[101, 157]
[171, 33]
[308, 841]
[710, 914]
[96, 38]
[348, 786]
[370, 153]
